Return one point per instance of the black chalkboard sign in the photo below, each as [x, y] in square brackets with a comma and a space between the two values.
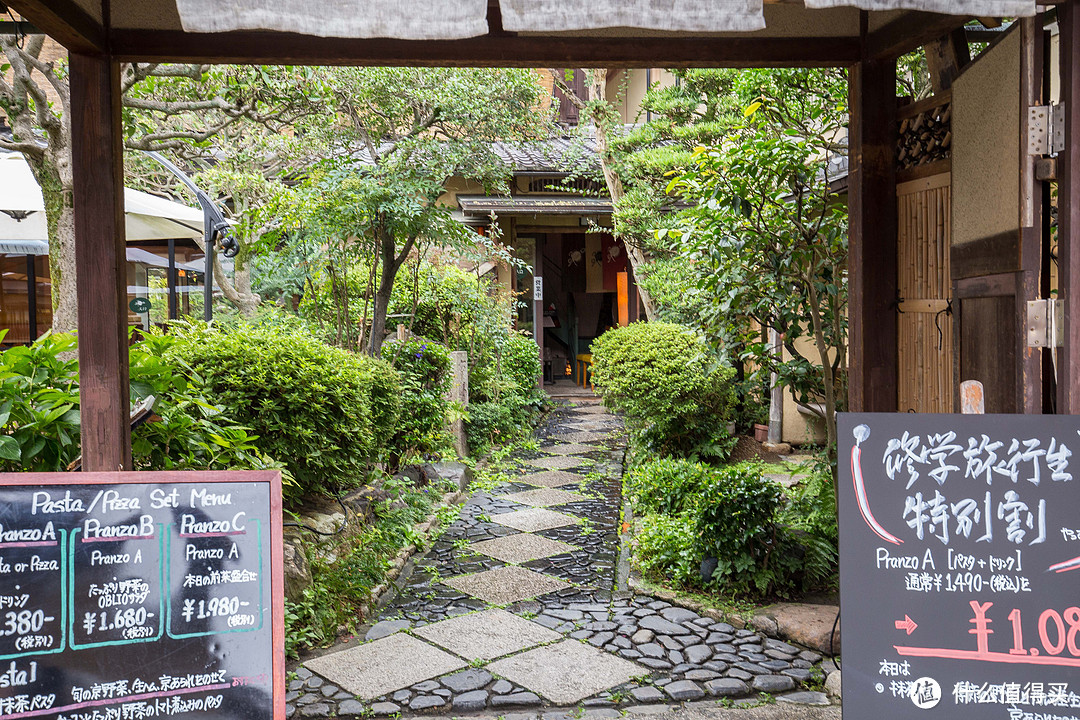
[960, 566]
[141, 595]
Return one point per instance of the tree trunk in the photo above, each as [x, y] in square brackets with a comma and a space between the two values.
[390, 265]
[60, 222]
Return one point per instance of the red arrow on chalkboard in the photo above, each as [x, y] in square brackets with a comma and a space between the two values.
[906, 624]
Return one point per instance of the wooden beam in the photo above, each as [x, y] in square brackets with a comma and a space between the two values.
[872, 249]
[64, 21]
[946, 57]
[1029, 379]
[910, 32]
[1068, 365]
[97, 161]
[504, 50]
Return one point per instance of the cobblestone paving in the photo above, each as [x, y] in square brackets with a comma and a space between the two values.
[516, 607]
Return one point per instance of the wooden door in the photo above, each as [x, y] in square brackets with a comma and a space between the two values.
[925, 326]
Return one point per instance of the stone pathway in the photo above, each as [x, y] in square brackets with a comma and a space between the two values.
[516, 607]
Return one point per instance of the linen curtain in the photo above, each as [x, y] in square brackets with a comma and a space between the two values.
[977, 8]
[458, 19]
[404, 19]
[665, 15]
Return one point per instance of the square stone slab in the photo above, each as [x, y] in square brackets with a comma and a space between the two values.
[569, 449]
[551, 479]
[383, 666]
[534, 519]
[558, 462]
[487, 634]
[567, 672]
[522, 547]
[506, 584]
[541, 498]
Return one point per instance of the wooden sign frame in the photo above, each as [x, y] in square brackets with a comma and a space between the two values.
[272, 478]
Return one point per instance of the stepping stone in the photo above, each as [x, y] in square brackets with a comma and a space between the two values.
[534, 519]
[647, 694]
[506, 584]
[557, 462]
[485, 635]
[471, 701]
[580, 437]
[385, 628]
[522, 547]
[727, 687]
[661, 626]
[551, 479]
[773, 683]
[545, 497]
[684, 690]
[569, 449]
[375, 669]
[467, 680]
[567, 672]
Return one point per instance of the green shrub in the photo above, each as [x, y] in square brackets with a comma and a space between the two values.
[668, 486]
[504, 398]
[666, 550]
[424, 367]
[737, 524]
[192, 433]
[676, 396]
[39, 401]
[324, 412]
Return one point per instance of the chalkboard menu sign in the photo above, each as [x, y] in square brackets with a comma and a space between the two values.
[960, 566]
[141, 595]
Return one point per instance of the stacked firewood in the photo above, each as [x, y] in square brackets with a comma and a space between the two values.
[925, 137]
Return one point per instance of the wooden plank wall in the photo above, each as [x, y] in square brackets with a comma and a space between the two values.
[925, 326]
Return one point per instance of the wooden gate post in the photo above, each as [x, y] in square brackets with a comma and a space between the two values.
[97, 162]
[872, 248]
[1068, 366]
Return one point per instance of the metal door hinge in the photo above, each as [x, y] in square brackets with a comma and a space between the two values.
[1046, 129]
[1045, 323]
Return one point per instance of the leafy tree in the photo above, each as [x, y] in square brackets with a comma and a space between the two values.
[769, 234]
[407, 131]
[169, 107]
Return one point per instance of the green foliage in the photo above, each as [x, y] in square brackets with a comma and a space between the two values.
[665, 548]
[324, 412]
[668, 486]
[676, 395]
[192, 433]
[763, 542]
[424, 367]
[504, 398]
[768, 234]
[39, 401]
[736, 525]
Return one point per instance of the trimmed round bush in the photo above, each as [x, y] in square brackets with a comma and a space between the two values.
[677, 397]
[324, 412]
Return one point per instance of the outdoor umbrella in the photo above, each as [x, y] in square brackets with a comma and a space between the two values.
[22, 212]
